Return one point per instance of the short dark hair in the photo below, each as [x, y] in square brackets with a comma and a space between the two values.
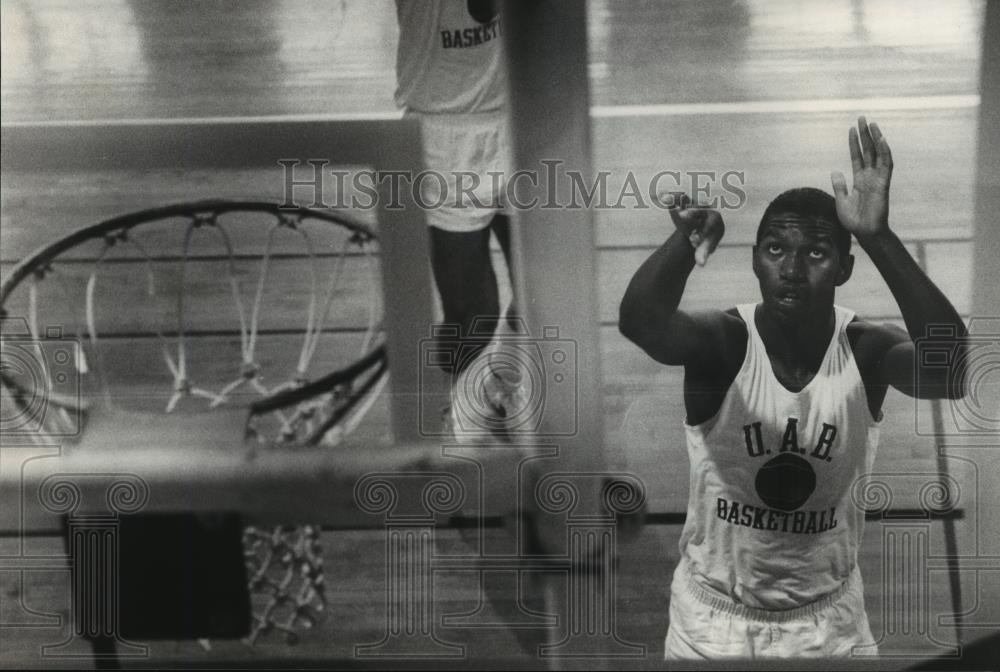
[812, 203]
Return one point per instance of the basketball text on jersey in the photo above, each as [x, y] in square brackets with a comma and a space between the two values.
[793, 522]
[470, 37]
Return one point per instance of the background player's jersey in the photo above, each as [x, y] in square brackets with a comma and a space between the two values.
[449, 59]
[771, 521]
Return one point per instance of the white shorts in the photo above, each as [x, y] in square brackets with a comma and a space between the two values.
[476, 145]
[707, 625]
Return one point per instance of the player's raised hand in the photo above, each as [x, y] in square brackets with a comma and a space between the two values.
[865, 210]
[703, 227]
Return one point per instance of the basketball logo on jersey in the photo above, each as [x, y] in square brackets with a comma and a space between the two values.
[784, 483]
[482, 11]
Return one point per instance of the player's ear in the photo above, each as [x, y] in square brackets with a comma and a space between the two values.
[846, 268]
[756, 268]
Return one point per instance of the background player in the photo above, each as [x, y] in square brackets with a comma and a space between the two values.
[451, 74]
[783, 403]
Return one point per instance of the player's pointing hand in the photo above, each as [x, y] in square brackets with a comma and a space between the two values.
[703, 227]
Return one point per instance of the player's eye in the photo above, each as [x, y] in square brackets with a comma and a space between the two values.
[817, 254]
[773, 248]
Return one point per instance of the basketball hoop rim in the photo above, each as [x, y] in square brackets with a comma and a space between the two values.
[42, 256]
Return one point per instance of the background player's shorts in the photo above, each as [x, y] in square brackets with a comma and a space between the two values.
[705, 624]
[475, 144]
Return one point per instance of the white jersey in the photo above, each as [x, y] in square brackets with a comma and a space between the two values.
[450, 74]
[771, 521]
[450, 57]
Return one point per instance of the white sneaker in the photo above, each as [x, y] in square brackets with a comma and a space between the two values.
[507, 397]
[486, 401]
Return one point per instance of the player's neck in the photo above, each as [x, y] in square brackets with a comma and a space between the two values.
[798, 342]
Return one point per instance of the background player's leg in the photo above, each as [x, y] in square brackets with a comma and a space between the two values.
[500, 225]
[463, 271]
[501, 229]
